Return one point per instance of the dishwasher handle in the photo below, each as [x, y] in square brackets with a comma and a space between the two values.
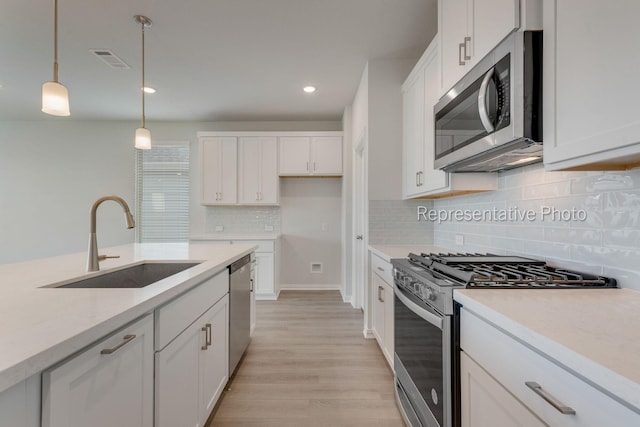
[239, 264]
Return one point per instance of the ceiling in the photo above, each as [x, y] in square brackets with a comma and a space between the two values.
[209, 60]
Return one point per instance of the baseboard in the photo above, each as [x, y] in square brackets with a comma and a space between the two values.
[368, 334]
[266, 297]
[347, 299]
[309, 287]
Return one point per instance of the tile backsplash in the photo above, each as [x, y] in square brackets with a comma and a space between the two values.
[395, 222]
[242, 219]
[588, 221]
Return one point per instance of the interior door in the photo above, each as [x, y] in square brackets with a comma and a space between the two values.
[360, 226]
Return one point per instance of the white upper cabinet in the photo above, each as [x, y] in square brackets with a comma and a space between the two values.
[258, 170]
[470, 29]
[311, 155]
[218, 166]
[420, 177]
[591, 85]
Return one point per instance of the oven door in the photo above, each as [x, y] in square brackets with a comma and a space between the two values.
[422, 361]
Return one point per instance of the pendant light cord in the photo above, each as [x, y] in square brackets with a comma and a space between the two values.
[55, 41]
[143, 118]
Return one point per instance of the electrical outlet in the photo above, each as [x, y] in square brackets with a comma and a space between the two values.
[268, 227]
[219, 227]
[459, 239]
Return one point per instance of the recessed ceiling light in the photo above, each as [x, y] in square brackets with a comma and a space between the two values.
[309, 89]
[148, 89]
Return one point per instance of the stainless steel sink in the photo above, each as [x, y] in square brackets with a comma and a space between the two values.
[135, 276]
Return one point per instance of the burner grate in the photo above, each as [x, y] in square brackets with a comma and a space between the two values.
[495, 271]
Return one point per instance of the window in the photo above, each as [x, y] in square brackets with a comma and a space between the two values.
[162, 193]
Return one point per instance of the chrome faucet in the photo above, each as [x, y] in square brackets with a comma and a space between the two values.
[93, 259]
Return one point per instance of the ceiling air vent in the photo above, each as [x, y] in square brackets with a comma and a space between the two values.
[109, 58]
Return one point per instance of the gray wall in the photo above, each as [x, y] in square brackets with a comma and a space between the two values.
[311, 210]
[606, 242]
[51, 172]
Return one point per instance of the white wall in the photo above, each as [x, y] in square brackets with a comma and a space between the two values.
[51, 172]
[606, 242]
[311, 210]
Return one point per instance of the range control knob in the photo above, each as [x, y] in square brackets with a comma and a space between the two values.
[428, 294]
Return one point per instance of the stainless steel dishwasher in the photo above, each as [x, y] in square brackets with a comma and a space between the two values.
[239, 310]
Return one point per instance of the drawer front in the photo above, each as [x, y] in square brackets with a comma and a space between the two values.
[513, 364]
[382, 268]
[175, 316]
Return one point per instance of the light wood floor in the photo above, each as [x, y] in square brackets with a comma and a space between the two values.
[309, 365]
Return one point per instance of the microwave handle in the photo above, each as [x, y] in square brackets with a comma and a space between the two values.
[482, 102]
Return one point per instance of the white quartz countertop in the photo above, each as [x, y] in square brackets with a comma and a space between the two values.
[221, 236]
[595, 333]
[387, 252]
[41, 326]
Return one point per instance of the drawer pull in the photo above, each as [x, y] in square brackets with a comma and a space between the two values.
[127, 339]
[381, 269]
[380, 297]
[537, 388]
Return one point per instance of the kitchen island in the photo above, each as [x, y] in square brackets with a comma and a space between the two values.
[41, 326]
[576, 347]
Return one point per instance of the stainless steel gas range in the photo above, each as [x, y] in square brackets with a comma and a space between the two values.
[426, 323]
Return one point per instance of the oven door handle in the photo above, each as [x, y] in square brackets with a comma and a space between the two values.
[434, 319]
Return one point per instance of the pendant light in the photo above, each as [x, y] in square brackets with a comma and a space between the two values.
[55, 97]
[143, 136]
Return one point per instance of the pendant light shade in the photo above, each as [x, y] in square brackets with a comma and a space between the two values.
[143, 135]
[143, 139]
[55, 97]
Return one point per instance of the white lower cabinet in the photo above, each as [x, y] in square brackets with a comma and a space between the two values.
[192, 370]
[20, 404]
[536, 388]
[264, 284]
[109, 384]
[485, 402]
[382, 306]
[266, 271]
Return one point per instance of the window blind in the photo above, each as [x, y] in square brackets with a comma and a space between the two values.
[162, 193]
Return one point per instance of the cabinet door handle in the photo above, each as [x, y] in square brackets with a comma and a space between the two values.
[537, 388]
[417, 180]
[380, 297]
[207, 336]
[126, 340]
[314, 166]
[460, 48]
[307, 166]
[466, 40]
[250, 285]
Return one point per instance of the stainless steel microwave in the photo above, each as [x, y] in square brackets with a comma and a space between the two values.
[492, 119]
